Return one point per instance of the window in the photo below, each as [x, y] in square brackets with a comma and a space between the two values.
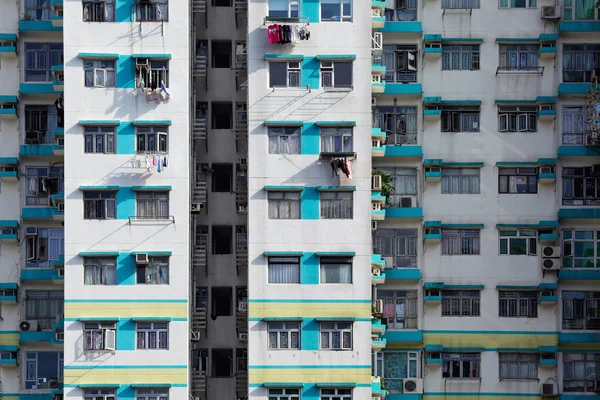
[152, 336]
[580, 249]
[399, 124]
[38, 10]
[152, 73]
[579, 10]
[517, 180]
[580, 372]
[152, 139]
[221, 55]
[336, 140]
[519, 366]
[283, 9]
[99, 205]
[336, 74]
[400, 244]
[395, 366]
[152, 10]
[156, 272]
[284, 394]
[575, 125]
[460, 4]
[519, 57]
[336, 205]
[284, 335]
[42, 183]
[98, 11]
[336, 270]
[99, 336]
[40, 121]
[221, 3]
[336, 10]
[406, 10]
[284, 269]
[336, 335]
[222, 302]
[581, 186]
[99, 394]
[40, 58]
[517, 119]
[518, 304]
[222, 178]
[399, 308]
[580, 61]
[152, 394]
[460, 181]
[336, 394]
[222, 360]
[461, 365]
[518, 242]
[222, 236]
[241, 115]
[580, 310]
[99, 139]
[284, 74]
[284, 205]
[100, 270]
[401, 63]
[460, 242]
[460, 57]
[284, 140]
[152, 205]
[99, 73]
[518, 3]
[43, 369]
[404, 182]
[460, 303]
[221, 115]
[44, 247]
[460, 118]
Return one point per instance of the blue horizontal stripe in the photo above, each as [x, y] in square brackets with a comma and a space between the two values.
[128, 301]
[494, 332]
[471, 394]
[308, 366]
[157, 56]
[125, 366]
[99, 253]
[117, 385]
[308, 301]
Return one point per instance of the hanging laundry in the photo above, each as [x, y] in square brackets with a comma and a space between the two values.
[159, 165]
[388, 310]
[304, 33]
[148, 163]
[295, 34]
[44, 188]
[165, 161]
[164, 89]
[347, 169]
[273, 33]
[154, 161]
[34, 184]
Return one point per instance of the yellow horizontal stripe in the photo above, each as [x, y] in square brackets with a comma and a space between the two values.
[9, 339]
[309, 375]
[10, 398]
[125, 310]
[400, 345]
[308, 310]
[460, 397]
[125, 376]
[490, 340]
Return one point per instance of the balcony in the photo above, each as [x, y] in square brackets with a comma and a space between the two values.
[410, 89]
[58, 77]
[589, 274]
[377, 83]
[199, 66]
[30, 25]
[411, 28]
[402, 274]
[377, 18]
[404, 336]
[54, 275]
[199, 129]
[577, 338]
[568, 89]
[578, 213]
[376, 390]
[38, 89]
[8, 45]
[578, 26]
[377, 44]
[404, 151]
[8, 293]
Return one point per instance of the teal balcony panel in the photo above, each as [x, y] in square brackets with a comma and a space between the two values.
[414, 27]
[377, 326]
[377, 4]
[9, 362]
[56, 20]
[548, 177]
[433, 237]
[550, 49]
[378, 343]
[8, 51]
[433, 299]
[579, 213]
[432, 51]
[402, 274]
[404, 89]
[38, 89]
[577, 151]
[404, 213]
[432, 113]
[37, 212]
[403, 396]
[376, 259]
[404, 336]
[38, 26]
[591, 274]
[59, 262]
[579, 26]
[376, 390]
[548, 237]
[548, 300]
[571, 89]
[378, 69]
[433, 176]
[36, 336]
[547, 363]
[434, 361]
[8, 237]
[55, 3]
[37, 150]
[378, 133]
[404, 151]
[8, 113]
[9, 175]
[578, 337]
[40, 275]
[547, 114]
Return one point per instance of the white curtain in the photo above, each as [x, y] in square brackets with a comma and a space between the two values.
[336, 273]
[284, 273]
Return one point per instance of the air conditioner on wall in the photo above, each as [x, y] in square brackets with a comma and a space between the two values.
[550, 264]
[550, 251]
[141, 258]
[433, 231]
[376, 183]
[31, 231]
[412, 385]
[546, 107]
[8, 231]
[550, 13]
[547, 390]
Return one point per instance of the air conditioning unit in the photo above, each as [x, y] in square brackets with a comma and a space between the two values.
[9, 231]
[60, 141]
[60, 272]
[373, 102]
[547, 390]
[373, 225]
[243, 306]
[550, 251]
[141, 258]
[550, 13]
[375, 271]
[433, 231]
[61, 207]
[546, 107]
[406, 202]
[378, 306]
[546, 170]
[196, 207]
[550, 264]
[31, 231]
[242, 337]
[412, 385]
[376, 183]
[28, 326]
[389, 261]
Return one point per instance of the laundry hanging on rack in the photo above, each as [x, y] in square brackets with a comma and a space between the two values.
[341, 166]
[287, 33]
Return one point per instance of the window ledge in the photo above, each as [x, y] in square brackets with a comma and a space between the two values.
[532, 70]
[291, 88]
[518, 380]
[134, 218]
[473, 380]
[338, 89]
[328, 155]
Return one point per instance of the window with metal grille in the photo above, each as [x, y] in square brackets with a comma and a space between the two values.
[519, 57]
[284, 74]
[517, 119]
[461, 365]
[580, 372]
[99, 140]
[580, 60]
[400, 244]
[399, 124]
[405, 10]
[461, 303]
[519, 366]
[523, 304]
[98, 11]
[284, 335]
[43, 306]
[401, 62]
[460, 180]
[399, 308]
[460, 4]
[581, 186]
[460, 118]
[518, 242]
[575, 125]
[152, 336]
[152, 205]
[40, 58]
[517, 180]
[460, 242]
[336, 335]
[337, 205]
[457, 57]
[580, 310]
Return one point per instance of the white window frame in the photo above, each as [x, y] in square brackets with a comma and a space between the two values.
[337, 205]
[517, 119]
[518, 303]
[160, 134]
[291, 12]
[99, 336]
[281, 201]
[379, 366]
[507, 235]
[465, 176]
[332, 137]
[283, 331]
[461, 303]
[150, 333]
[99, 394]
[336, 394]
[327, 331]
[343, 18]
[519, 361]
[152, 394]
[292, 68]
[448, 358]
[102, 264]
[285, 394]
[583, 363]
[283, 136]
[293, 261]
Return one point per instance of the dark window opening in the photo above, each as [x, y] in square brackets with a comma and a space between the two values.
[221, 301]
[222, 177]
[222, 115]
[222, 360]
[221, 239]
[221, 3]
[221, 54]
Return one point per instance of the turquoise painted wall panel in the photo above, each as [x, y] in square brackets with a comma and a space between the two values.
[310, 72]
[125, 203]
[126, 138]
[310, 9]
[310, 139]
[124, 10]
[125, 78]
[309, 269]
[126, 335]
[310, 203]
[310, 335]
[126, 270]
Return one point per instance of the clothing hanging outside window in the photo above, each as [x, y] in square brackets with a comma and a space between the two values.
[283, 34]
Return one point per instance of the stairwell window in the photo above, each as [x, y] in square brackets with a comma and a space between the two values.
[284, 8]
[461, 303]
[336, 335]
[581, 186]
[517, 180]
[460, 180]
[284, 205]
[337, 205]
[152, 394]
[152, 205]
[580, 310]
[336, 394]
[99, 336]
[156, 272]
[580, 372]
[152, 10]
[284, 140]
[98, 11]
[518, 242]
[518, 4]
[517, 119]
[99, 73]
[461, 57]
[336, 140]
[100, 270]
[99, 205]
[336, 270]
[284, 74]
[460, 118]
[284, 269]
[574, 125]
[461, 365]
[284, 335]
[522, 366]
[99, 140]
[519, 57]
[580, 249]
[336, 10]
[522, 304]
[579, 60]
[284, 394]
[336, 74]
[152, 139]
[152, 336]
[399, 124]
[460, 242]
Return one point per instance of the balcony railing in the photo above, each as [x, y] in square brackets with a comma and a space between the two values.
[199, 129]
[199, 66]
[199, 6]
